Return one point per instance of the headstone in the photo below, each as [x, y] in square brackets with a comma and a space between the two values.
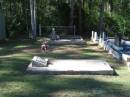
[53, 34]
[92, 35]
[95, 36]
[39, 62]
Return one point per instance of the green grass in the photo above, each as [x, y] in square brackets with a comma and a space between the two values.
[15, 82]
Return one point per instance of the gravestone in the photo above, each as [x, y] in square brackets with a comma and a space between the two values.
[95, 36]
[2, 25]
[39, 62]
[53, 34]
[92, 35]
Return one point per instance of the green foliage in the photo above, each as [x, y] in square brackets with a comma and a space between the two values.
[114, 23]
[57, 12]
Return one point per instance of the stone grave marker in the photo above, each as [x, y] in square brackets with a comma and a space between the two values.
[92, 35]
[39, 62]
[95, 36]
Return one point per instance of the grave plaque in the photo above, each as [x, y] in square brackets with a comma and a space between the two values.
[39, 62]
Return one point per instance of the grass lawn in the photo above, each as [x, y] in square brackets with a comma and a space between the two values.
[15, 82]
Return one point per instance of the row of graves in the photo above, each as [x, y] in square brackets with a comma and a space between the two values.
[68, 66]
[116, 46]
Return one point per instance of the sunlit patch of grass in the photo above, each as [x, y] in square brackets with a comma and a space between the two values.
[21, 46]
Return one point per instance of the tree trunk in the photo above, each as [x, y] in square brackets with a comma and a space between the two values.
[2, 25]
[101, 20]
[111, 5]
[33, 17]
[90, 7]
[71, 12]
[80, 17]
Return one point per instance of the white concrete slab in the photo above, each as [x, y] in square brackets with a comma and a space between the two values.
[74, 67]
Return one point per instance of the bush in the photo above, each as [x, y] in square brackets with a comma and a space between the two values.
[114, 23]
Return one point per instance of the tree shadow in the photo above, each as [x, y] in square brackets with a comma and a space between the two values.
[70, 55]
[10, 47]
[52, 86]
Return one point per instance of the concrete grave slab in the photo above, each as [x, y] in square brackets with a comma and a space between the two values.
[74, 67]
[69, 40]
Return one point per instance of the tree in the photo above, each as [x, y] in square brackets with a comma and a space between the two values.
[101, 19]
[33, 18]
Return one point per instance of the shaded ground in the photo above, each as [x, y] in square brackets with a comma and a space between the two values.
[15, 82]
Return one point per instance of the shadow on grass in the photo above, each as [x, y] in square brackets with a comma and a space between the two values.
[51, 86]
[93, 51]
[9, 48]
[70, 55]
[14, 64]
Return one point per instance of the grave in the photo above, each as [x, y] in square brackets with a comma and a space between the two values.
[94, 37]
[117, 48]
[68, 40]
[108, 44]
[120, 51]
[126, 54]
[102, 39]
[114, 46]
[72, 66]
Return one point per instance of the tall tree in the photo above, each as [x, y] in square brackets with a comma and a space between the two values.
[72, 3]
[101, 18]
[80, 16]
[33, 18]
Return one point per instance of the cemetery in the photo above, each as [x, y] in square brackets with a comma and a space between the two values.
[64, 48]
